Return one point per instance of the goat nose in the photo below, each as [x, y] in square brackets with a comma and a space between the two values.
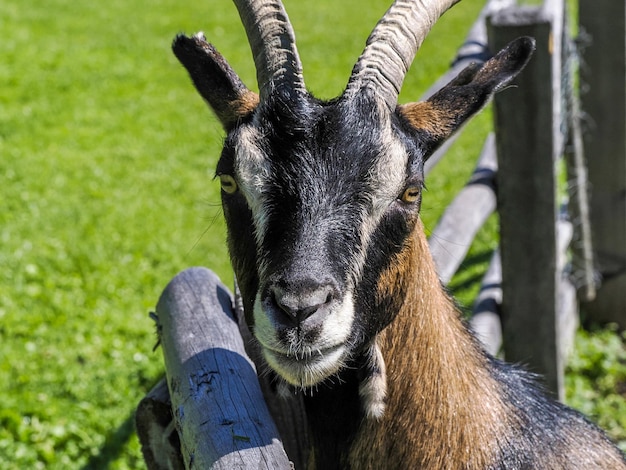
[295, 305]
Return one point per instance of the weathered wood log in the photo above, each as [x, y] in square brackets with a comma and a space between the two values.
[218, 408]
[485, 320]
[528, 143]
[603, 102]
[455, 231]
[287, 411]
[159, 439]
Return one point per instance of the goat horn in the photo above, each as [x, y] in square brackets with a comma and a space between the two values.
[273, 45]
[392, 45]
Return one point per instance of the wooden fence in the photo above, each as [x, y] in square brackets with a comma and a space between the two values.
[559, 249]
[549, 262]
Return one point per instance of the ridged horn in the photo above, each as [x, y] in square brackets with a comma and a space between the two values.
[392, 45]
[273, 45]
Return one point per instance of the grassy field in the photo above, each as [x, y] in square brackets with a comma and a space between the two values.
[107, 191]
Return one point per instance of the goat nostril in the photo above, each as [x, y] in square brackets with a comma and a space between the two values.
[295, 307]
[295, 313]
[283, 306]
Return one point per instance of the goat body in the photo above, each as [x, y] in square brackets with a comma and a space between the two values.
[450, 405]
[322, 201]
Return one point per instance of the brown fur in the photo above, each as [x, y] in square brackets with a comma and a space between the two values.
[241, 107]
[443, 408]
[428, 117]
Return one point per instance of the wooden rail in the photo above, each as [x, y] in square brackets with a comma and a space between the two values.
[212, 383]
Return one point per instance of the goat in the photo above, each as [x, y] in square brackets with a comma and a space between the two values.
[321, 201]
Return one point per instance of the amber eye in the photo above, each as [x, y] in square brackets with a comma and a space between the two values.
[411, 194]
[229, 185]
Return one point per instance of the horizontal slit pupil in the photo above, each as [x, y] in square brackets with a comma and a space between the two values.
[228, 184]
[410, 194]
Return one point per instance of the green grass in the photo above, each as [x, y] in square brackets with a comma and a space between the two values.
[106, 164]
[596, 379]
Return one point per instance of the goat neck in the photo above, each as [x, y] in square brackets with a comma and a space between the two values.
[450, 405]
[439, 389]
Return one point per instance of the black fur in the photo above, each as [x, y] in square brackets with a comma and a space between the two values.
[551, 434]
[334, 414]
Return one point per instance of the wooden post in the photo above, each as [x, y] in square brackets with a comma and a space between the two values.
[528, 138]
[470, 209]
[218, 408]
[603, 102]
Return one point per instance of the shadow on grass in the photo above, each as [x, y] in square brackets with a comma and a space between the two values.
[113, 446]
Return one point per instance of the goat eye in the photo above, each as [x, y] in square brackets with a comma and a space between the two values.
[411, 194]
[229, 185]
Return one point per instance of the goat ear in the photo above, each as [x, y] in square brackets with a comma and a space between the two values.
[215, 79]
[450, 107]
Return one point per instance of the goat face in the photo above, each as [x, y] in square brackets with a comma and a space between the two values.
[320, 196]
[313, 195]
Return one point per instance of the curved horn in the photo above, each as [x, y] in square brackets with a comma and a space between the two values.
[273, 45]
[392, 45]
